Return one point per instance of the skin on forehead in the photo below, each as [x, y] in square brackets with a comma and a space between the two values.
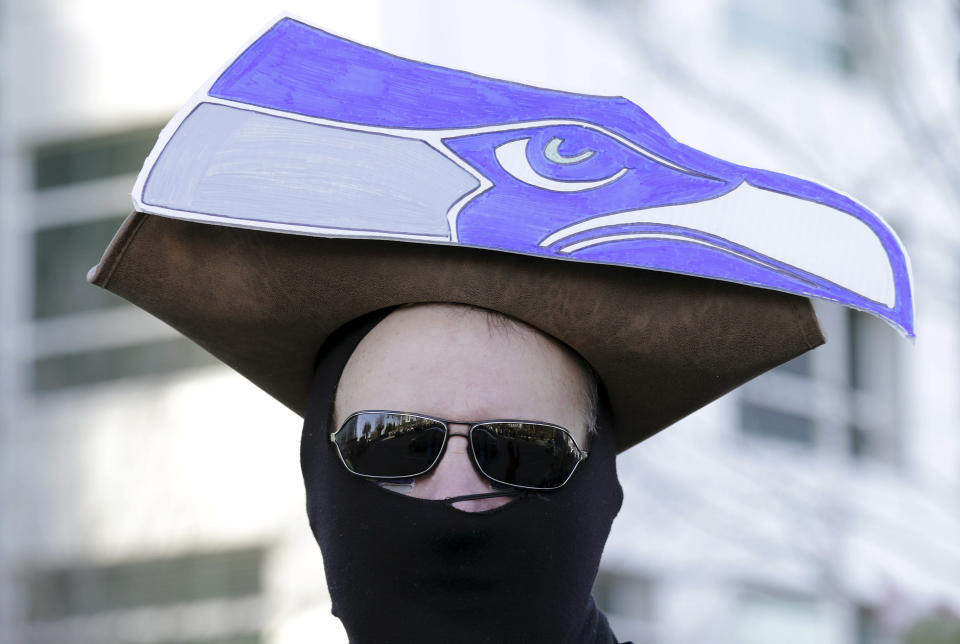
[452, 362]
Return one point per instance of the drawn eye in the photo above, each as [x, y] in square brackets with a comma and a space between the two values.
[552, 152]
[514, 157]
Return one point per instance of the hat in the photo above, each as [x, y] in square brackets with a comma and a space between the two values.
[315, 180]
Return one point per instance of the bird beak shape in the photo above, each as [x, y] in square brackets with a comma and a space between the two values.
[307, 133]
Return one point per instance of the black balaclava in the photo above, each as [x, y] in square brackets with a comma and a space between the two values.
[402, 569]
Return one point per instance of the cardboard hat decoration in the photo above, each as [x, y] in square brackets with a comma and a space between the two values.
[314, 180]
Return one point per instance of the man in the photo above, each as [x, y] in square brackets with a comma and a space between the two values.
[516, 564]
[454, 483]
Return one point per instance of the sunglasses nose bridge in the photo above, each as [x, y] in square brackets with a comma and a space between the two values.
[461, 429]
[457, 429]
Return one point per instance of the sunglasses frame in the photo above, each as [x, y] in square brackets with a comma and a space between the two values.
[580, 453]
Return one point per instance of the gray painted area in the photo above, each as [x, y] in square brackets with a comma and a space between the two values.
[236, 163]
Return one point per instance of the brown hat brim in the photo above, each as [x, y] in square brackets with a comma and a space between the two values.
[664, 345]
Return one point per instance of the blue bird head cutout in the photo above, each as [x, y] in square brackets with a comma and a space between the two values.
[309, 133]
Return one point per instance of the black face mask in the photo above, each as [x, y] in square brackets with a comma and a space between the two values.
[401, 569]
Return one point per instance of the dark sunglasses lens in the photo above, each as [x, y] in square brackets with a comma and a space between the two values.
[525, 454]
[375, 444]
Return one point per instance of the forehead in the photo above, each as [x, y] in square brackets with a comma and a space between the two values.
[456, 363]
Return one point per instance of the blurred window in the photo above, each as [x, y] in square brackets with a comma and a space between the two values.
[872, 628]
[627, 601]
[763, 617]
[61, 257]
[799, 365]
[84, 334]
[620, 594]
[208, 597]
[841, 397]
[92, 158]
[758, 420]
[872, 379]
[814, 34]
[101, 365]
[83, 590]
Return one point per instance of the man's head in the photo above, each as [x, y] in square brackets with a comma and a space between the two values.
[519, 572]
[462, 363]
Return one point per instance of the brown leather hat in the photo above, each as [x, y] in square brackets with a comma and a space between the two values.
[663, 344]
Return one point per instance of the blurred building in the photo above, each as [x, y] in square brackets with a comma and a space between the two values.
[149, 495]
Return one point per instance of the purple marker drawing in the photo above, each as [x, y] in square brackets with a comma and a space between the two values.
[308, 133]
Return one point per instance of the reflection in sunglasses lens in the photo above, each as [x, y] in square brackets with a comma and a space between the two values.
[525, 454]
[391, 445]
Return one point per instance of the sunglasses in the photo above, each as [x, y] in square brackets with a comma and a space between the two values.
[515, 453]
